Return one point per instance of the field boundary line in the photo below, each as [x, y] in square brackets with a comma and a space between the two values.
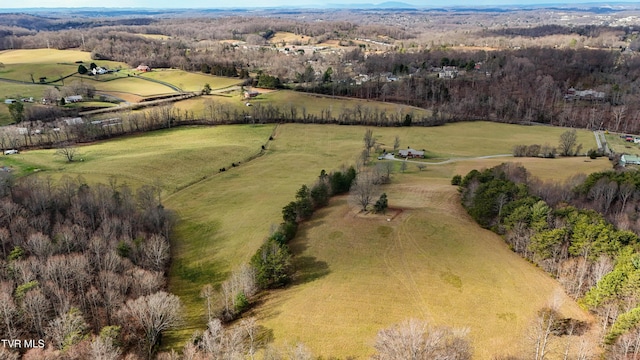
[234, 165]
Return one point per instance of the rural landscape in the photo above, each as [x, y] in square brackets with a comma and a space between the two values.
[381, 182]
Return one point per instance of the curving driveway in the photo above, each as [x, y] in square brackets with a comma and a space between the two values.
[391, 157]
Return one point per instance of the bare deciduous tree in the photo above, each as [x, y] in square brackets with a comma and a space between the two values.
[369, 141]
[67, 329]
[396, 143]
[364, 190]
[155, 251]
[68, 151]
[415, 340]
[8, 311]
[102, 348]
[568, 140]
[154, 313]
[207, 294]
[626, 190]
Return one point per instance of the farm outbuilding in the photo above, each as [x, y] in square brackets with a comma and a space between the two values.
[250, 94]
[73, 99]
[627, 159]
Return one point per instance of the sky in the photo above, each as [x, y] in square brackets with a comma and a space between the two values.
[8, 4]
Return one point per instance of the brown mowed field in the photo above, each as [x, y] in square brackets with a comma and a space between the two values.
[360, 274]
[558, 169]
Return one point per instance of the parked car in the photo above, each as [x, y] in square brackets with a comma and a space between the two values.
[10, 152]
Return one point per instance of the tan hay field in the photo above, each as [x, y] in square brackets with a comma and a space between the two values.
[133, 85]
[288, 38]
[559, 169]
[189, 81]
[41, 56]
[155, 36]
[284, 99]
[431, 262]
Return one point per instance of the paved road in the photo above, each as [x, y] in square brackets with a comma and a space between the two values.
[602, 142]
[391, 157]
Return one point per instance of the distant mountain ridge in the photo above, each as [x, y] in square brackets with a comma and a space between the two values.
[384, 5]
[436, 5]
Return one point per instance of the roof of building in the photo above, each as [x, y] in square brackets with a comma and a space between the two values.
[626, 158]
[412, 151]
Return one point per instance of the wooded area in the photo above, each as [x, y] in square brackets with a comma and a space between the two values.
[83, 268]
[564, 229]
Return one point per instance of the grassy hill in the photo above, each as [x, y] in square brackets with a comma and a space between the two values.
[431, 261]
[222, 236]
[190, 81]
[286, 99]
[174, 158]
[356, 274]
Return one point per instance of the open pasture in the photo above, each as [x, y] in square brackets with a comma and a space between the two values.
[620, 145]
[133, 86]
[31, 65]
[188, 81]
[480, 138]
[288, 38]
[43, 56]
[155, 36]
[219, 230]
[286, 99]
[559, 169]
[17, 91]
[356, 274]
[172, 159]
[361, 273]
[24, 72]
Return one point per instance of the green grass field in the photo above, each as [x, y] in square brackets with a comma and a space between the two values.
[17, 91]
[172, 158]
[619, 145]
[188, 81]
[356, 274]
[21, 65]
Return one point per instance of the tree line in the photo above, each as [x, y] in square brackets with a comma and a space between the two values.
[570, 238]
